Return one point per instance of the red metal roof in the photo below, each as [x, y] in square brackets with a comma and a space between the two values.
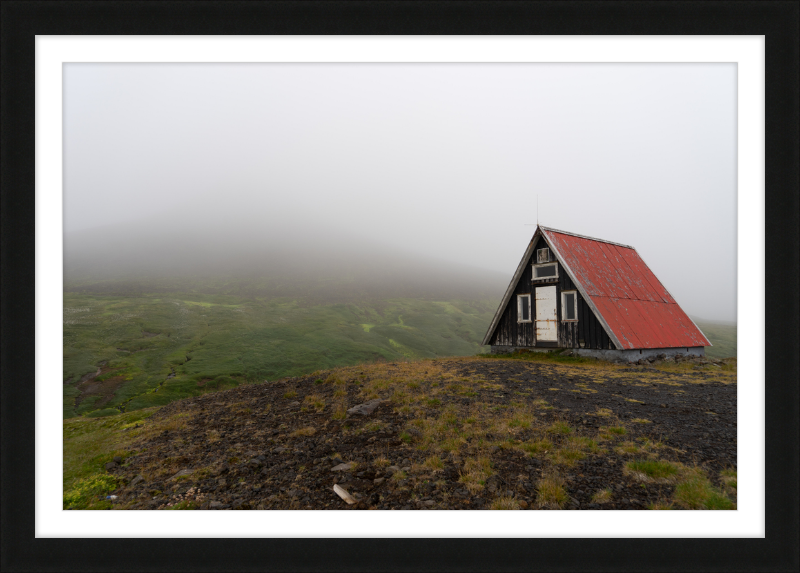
[632, 302]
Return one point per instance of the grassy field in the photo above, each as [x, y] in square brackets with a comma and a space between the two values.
[155, 348]
[89, 444]
[721, 334]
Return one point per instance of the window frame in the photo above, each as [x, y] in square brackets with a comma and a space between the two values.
[542, 265]
[538, 257]
[519, 308]
[574, 305]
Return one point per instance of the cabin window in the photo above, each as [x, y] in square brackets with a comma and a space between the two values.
[548, 271]
[543, 256]
[569, 306]
[523, 308]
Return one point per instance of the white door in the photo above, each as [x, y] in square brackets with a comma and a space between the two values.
[546, 319]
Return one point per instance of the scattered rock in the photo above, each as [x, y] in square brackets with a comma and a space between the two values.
[342, 468]
[136, 481]
[366, 408]
[185, 472]
[111, 465]
[341, 492]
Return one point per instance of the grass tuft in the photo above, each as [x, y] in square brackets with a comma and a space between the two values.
[504, 502]
[309, 431]
[434, 463]
[550, 492]
[652, 470]
[560, 428]
[475, 473]
[399, 476]
[602, 496]
[698, 493]
[537, 446]
[90, 492]
[728, 477]
[316, 402]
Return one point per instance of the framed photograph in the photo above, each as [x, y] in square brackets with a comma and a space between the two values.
[160, 146]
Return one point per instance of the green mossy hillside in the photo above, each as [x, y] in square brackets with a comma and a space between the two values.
[153, 349]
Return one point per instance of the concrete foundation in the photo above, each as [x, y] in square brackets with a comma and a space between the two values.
[634, 355]
[625, 355]
[509, 349]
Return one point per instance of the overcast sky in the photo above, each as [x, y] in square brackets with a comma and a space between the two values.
[441, 159]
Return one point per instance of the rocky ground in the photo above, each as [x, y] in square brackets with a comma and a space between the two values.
[466, 433]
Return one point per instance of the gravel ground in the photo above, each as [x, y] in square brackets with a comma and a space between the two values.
[285, 444]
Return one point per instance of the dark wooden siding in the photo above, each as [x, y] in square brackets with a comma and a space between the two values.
[588, 329]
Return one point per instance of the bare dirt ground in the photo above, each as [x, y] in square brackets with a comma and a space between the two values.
[466, 433]
[99, 384]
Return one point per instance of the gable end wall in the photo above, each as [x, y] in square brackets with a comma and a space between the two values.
[509, 332]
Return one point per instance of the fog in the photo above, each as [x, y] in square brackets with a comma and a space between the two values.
[321, 264]
[419, 177]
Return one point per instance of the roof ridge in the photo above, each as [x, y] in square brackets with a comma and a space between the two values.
[585, 237]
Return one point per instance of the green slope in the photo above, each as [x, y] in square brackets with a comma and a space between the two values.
[212, 342]
[721, 334]
[155, 348]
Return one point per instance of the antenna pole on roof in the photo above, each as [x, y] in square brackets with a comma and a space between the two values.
[537, 213]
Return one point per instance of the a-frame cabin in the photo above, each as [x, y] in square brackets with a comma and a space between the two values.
[593, 296]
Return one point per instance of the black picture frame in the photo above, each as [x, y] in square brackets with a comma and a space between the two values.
[778, 21]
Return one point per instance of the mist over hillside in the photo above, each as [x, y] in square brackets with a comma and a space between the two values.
[159, 310]
[262, 257]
